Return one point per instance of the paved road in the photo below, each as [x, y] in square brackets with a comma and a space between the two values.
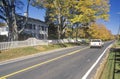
[70, 63]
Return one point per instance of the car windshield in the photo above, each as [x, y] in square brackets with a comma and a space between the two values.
[95, 40]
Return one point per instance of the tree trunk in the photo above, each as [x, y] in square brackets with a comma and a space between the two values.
[14, 25]
[76, 32]
[58, 29]
[14, 30]
[59, 26]
[63, 27]
[72, 32]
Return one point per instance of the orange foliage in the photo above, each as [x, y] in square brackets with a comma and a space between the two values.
[99, 31]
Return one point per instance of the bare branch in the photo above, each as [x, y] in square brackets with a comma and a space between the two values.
[2, 17]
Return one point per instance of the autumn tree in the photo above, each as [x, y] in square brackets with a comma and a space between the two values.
[82, 32]
[99, 31]
[77, 12]
[87, 11]
[58, 13]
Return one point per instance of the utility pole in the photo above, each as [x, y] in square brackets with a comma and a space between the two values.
[118, 28]
[113, 77]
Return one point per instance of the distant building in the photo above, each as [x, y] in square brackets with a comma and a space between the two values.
[4, 30]
[3, 33]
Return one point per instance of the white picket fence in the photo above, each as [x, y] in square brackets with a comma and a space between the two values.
[17, 44]
[31, 42]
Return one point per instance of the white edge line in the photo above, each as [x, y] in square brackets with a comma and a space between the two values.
[92, 67]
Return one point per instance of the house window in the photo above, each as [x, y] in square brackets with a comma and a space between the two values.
[39, 27]
[34, 26]
[45, 28]
[30, 25]
[26, 26]
[42, 28]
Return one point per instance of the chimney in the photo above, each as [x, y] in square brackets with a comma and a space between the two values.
[25, 14]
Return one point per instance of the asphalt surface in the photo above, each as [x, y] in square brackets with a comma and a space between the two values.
[57, 65]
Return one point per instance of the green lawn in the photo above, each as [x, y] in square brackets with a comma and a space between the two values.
[109, 67]
[117, 66]
[112, 67]
[18, 52]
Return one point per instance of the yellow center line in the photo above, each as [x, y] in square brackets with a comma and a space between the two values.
[45, 62]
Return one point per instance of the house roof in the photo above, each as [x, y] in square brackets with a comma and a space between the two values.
[33, 19]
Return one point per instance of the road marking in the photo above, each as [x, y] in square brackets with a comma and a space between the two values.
[45, 62]
[92, 67]
[2, 78]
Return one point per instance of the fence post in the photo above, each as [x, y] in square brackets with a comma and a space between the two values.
[114, 66]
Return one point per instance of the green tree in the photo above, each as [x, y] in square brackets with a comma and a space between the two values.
[52, 29]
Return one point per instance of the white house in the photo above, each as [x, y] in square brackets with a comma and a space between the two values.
[34, 28]
[4, 30]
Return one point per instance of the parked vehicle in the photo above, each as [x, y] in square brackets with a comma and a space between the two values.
[96, 43]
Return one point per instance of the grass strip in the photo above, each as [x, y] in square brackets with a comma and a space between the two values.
[19, 52]
[117, 66]
[108, 70]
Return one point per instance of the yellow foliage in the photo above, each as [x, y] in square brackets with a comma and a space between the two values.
[99, 31]
[90, 10]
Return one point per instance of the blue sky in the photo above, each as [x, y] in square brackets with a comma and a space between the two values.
[113, 23]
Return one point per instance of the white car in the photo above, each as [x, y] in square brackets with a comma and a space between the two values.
[96, 43]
